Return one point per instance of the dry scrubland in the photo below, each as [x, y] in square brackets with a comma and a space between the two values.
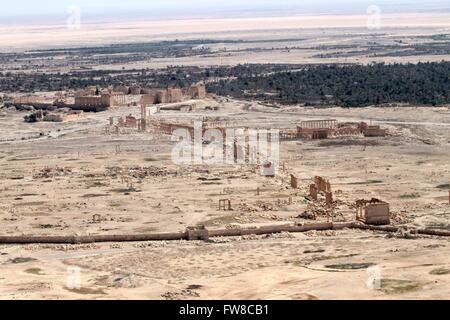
[54, 184]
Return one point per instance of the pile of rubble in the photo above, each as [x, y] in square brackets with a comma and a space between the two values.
[61, 115]
[139, 172]
[49, 172]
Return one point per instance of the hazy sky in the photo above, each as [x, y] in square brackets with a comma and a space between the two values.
[16, 10]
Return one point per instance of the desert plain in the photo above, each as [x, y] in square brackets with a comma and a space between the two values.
[82, 178]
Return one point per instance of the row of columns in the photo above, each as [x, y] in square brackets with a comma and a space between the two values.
[319, 124]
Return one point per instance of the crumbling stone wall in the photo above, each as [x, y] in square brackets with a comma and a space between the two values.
[197, 92]
[174, 95]
[105, 100]
[374, 131]
[375, 212]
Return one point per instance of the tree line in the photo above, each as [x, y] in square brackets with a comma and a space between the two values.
[346, 85]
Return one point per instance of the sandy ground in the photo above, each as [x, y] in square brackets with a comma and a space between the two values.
[286, 267]
[33, 36]
[54, 177]
[30, 36]
[289, 40]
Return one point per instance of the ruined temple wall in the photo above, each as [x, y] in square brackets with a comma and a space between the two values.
[307, 133]
[174, 95]
[119, 99]
[148, 91]
[88, 101]
[28, 100]
[107, 100]
[319, 124]
[374, 131]
[161, 96]
[197, 92]
[377, 213]
[148, 99]
[122, 89]
[93, 102]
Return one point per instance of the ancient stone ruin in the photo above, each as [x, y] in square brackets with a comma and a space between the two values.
[294, 182]
[324, 129]
[225, 205]
[197, 92]
[323, 186]
[197, 233]
[375, 212]
[60, 115]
